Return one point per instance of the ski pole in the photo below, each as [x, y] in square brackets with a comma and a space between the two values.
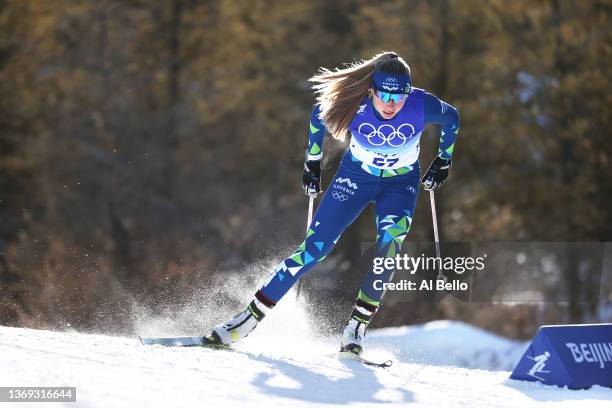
[436, 236]
[310, 205]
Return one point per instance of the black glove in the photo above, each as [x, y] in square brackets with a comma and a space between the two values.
[311, 178]
[437, 173]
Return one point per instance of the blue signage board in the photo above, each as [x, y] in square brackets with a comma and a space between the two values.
[576, 356]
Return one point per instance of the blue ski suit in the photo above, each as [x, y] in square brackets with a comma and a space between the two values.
[380, 166]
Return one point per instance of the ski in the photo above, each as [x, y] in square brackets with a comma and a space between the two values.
[357, 357]
[183, 342]
[210, 343]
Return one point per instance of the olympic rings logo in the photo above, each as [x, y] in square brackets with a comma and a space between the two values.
[377, 137]
[339, 196]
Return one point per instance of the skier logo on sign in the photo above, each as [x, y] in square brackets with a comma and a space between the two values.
[538, 367]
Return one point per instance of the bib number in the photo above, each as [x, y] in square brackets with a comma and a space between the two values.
[384, 162]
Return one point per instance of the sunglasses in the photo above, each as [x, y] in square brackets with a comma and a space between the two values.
[386, 97]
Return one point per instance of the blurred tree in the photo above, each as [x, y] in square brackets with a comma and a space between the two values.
[150, 147]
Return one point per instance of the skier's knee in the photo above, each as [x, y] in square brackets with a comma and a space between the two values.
[392, 230]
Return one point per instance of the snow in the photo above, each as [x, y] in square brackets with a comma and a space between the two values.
[440, 364]
[450, 343]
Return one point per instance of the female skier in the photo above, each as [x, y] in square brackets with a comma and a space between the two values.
[375, 103]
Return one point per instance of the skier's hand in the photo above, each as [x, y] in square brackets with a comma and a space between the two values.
[311, 178]
[437, 173]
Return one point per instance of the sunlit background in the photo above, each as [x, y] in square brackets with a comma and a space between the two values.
[151, 153]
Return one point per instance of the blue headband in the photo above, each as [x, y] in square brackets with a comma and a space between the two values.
[392, 83]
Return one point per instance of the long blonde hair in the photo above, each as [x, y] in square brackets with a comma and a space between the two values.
[340, 91]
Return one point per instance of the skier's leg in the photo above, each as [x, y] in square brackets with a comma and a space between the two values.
[335, 213]
[350, 191]
[395, 204]
[394, 213]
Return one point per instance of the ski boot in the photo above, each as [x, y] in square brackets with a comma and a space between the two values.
[353, 336]
[242, 324]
